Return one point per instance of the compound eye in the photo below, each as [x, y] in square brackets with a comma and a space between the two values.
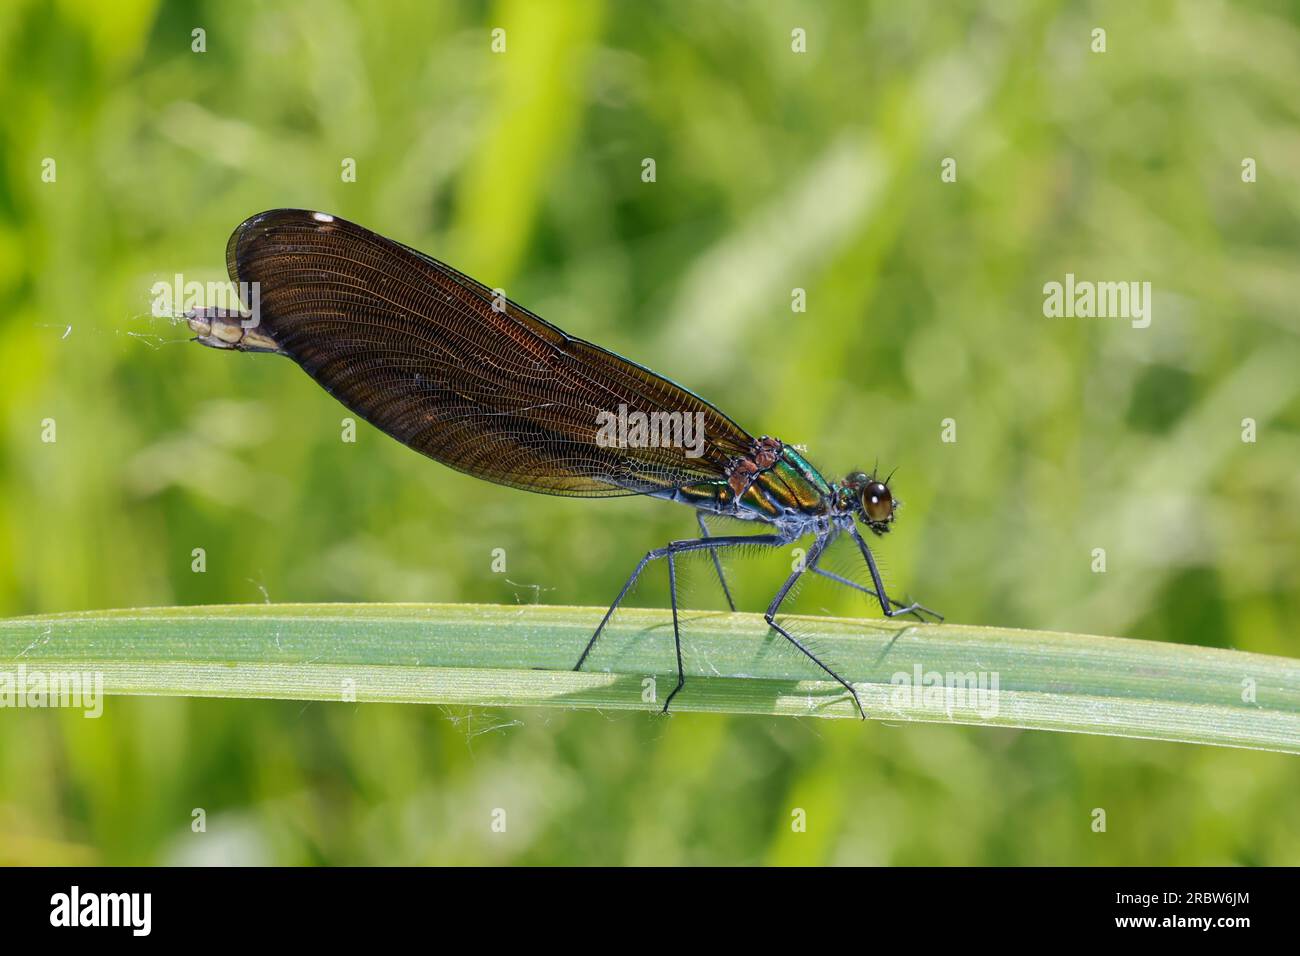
[877, 502]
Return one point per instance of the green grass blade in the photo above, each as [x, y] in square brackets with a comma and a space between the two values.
[522, 655]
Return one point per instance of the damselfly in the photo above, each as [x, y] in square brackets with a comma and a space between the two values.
[460, 373]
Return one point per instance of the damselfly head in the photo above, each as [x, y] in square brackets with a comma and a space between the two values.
[870, 498]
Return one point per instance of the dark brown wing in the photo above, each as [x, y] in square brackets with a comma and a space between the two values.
[416, 349]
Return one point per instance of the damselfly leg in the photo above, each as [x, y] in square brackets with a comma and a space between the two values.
[809, 563]
[717, 563]
[888, 605]
[667, 551]
[711, 544]
[870, 593]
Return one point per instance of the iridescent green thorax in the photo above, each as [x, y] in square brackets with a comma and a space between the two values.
[795, 484]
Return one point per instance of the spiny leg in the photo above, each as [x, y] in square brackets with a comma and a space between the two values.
[677, 636]
[880, 584]
[814, 554]
[717, 564]
[870, 593]
[674, 548]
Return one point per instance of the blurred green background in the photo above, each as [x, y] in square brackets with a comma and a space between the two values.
[775, 170]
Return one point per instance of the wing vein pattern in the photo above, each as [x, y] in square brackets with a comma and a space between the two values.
[417, 349]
